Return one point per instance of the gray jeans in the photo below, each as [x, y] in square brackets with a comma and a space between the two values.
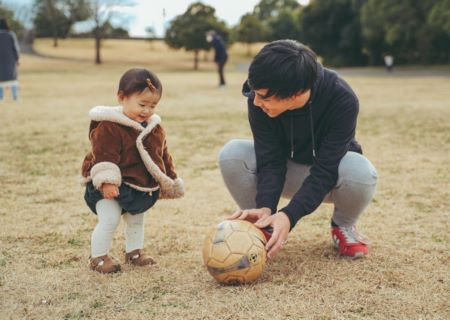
[354, 190]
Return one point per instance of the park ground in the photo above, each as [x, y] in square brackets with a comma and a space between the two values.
[45, 226]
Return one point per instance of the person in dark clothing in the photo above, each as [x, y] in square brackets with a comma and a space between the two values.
[303, 119]
[220, 53]
[9, 59]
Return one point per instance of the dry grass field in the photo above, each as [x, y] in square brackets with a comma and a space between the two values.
[45, 226]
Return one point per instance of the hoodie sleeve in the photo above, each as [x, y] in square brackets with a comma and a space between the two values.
[106, 148]
[324, 172]
[270, 162]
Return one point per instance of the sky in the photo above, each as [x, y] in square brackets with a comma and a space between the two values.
[150, 13]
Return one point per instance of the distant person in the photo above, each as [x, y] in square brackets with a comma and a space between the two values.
[128, 168]
[9, 60]
[220, 53]
[389, 62]
[303, 119]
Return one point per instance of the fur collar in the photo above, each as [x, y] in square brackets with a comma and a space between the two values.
[115, 114]
[170, 189]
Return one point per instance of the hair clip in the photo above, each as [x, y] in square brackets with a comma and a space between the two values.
[150, 85]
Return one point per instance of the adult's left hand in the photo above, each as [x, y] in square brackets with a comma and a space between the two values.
[281, 225]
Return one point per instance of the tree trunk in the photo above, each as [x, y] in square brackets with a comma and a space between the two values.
[26, 41]
[196, 59]
[98, 39]
[249, 49]
[51, 12]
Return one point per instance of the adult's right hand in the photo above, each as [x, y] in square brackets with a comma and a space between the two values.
[252, 215]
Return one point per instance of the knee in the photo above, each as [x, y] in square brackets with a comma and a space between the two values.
[134, 220]
[237, 158]
[354, 167]
[111, 223]
[236, 149]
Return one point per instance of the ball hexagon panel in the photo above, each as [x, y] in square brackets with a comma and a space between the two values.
[239, 242]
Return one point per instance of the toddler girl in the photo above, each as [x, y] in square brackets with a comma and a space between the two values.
[128, 168]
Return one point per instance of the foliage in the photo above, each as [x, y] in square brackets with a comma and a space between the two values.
[267, 9]
[439, 16]
[413, 31]
[279, 18]
[250, 30]
[332, 29]
[55, 18]
[14, 24]
[188, 30]
[285, 25]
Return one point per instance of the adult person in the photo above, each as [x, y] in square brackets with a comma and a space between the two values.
[9, 59]
[303, 119]
[220, 54]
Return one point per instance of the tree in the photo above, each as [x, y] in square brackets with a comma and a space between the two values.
[101, 14]
[413, 31]
[14, 24]
[188, 30]
[332, 30]
[151, 35]
[285, 25]
[279, 17]
[55, 18]
[439, 16]
[434, 38]
[267, 9]
[250, 30]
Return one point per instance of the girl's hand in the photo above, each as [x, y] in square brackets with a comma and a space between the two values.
[110, 191]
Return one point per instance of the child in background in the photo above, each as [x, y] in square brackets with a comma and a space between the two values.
[128, 168]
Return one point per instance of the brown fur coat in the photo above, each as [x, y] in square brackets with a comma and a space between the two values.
[123, 151]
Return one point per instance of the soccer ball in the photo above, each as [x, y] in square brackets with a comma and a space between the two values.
[234, 252]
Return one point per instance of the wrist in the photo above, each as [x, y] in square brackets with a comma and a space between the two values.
[287, 217]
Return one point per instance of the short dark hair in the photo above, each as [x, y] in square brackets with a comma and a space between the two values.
[135, 80]
[4, 24]
[284, 67]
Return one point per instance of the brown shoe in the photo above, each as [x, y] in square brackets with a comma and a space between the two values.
[104, 264]
[138, 258]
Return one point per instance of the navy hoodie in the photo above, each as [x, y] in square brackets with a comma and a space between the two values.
[220, 50]
[318, 134]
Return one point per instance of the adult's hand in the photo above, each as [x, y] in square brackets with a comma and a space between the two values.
[252, 215]
[110, 191]
[281, 225]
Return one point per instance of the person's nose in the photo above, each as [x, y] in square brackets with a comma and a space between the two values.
[147, 111]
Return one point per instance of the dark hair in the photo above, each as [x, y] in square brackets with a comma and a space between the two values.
[137, 80]
[4, 24]
[284, 67]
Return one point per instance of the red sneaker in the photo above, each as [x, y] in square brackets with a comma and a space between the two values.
[349, 242]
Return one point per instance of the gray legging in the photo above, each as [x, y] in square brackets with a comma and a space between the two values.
[354, 190]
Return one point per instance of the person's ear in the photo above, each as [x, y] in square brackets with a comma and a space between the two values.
[299, 95]
[120, 96]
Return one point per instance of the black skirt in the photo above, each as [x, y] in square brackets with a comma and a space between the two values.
[131, 200]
